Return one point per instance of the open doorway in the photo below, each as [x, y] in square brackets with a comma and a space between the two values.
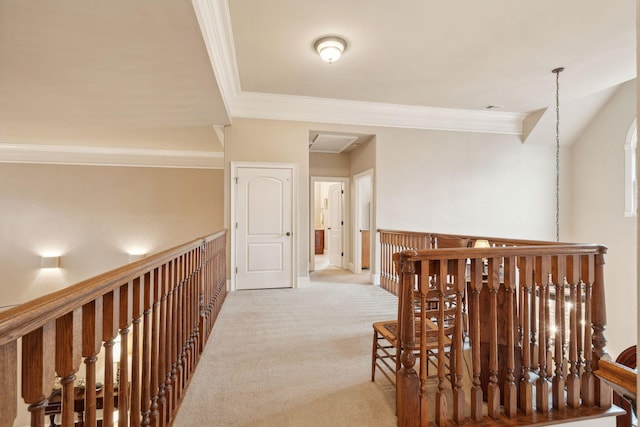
[330, 226]
[363, 243]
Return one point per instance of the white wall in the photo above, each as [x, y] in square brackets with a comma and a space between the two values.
[465, 183]
[92, 217]
[598, 205]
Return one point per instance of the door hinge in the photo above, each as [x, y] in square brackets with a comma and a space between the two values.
[236, 178]
[236, 270]
[341, 222]
[341, 191]
[236, 225]
[341, 253]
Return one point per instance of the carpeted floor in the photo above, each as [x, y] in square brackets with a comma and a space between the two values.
[294, 357]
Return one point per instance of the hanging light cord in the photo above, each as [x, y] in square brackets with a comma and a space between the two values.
[557, 72]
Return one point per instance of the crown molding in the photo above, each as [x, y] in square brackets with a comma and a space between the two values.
[215, 23]
[108, 156]
[324, 110]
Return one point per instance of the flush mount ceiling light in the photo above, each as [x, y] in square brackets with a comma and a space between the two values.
[330, 48]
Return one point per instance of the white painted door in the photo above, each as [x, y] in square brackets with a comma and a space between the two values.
[336, 224]
[264, 241]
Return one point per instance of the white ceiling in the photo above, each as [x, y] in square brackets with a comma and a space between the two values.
[138, 72]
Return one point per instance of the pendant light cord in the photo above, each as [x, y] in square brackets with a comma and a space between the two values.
[557, 72]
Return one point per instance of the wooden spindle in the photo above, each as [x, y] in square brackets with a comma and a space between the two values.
[110, 321]
[155, 347]
[558, 382]
[136, 363]
[493, 389]
[9, 381]
[543, 269]
[458, 343]
[147, 356]
[510, 389]
[588, 380]
[526, 285]
[474, 309]
[573, 379]
[38, 370]
[441, 398]
[91, 345]
[126, 317]
[163, 368]
[68, 357]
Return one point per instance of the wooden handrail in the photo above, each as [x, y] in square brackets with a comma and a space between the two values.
[621, 378]
[18, 320]
[533, 310]
[161, 308]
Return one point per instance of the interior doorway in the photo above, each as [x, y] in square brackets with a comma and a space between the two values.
[364, 239]
[329, 223]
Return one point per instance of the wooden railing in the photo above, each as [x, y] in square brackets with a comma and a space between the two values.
[160, 309]
[530, 329]
[395, 241]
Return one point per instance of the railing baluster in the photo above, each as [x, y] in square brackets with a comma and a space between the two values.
[543, 268]
[169, 339]
[573, 379]
[510, 389]
[136, 386]
[9, 381]
[38, 370]
[474, 308]
[126, 316]
[147, 358]
[91, 345]
[558, 382]
[155, 347]
[493, 389]
[163, 369]
[68, 357]
[587, 387]
[110, 316]
[458, 344]
[441, 398]
[526, 285]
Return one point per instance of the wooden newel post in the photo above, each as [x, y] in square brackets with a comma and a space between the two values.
[603, 394]
[408, 383]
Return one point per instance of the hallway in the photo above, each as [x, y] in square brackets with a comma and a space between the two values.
[294, 357]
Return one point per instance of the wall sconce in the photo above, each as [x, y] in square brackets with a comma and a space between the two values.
[50, 262]
[330, 48]
[136, 257]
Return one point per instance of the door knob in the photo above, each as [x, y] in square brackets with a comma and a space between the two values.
[288, 233]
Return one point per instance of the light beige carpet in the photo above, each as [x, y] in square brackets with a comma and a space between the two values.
[294, 357]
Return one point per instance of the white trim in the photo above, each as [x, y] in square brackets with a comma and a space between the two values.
[324, 110]
[357, 238]
[215, 24]
[631, 166]
[109, 156]
[234, 166]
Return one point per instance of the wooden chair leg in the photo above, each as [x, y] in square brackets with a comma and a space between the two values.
[374, 353]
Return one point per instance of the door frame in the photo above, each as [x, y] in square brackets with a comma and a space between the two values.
[346, 209]
[357, 241]
[233, 216]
